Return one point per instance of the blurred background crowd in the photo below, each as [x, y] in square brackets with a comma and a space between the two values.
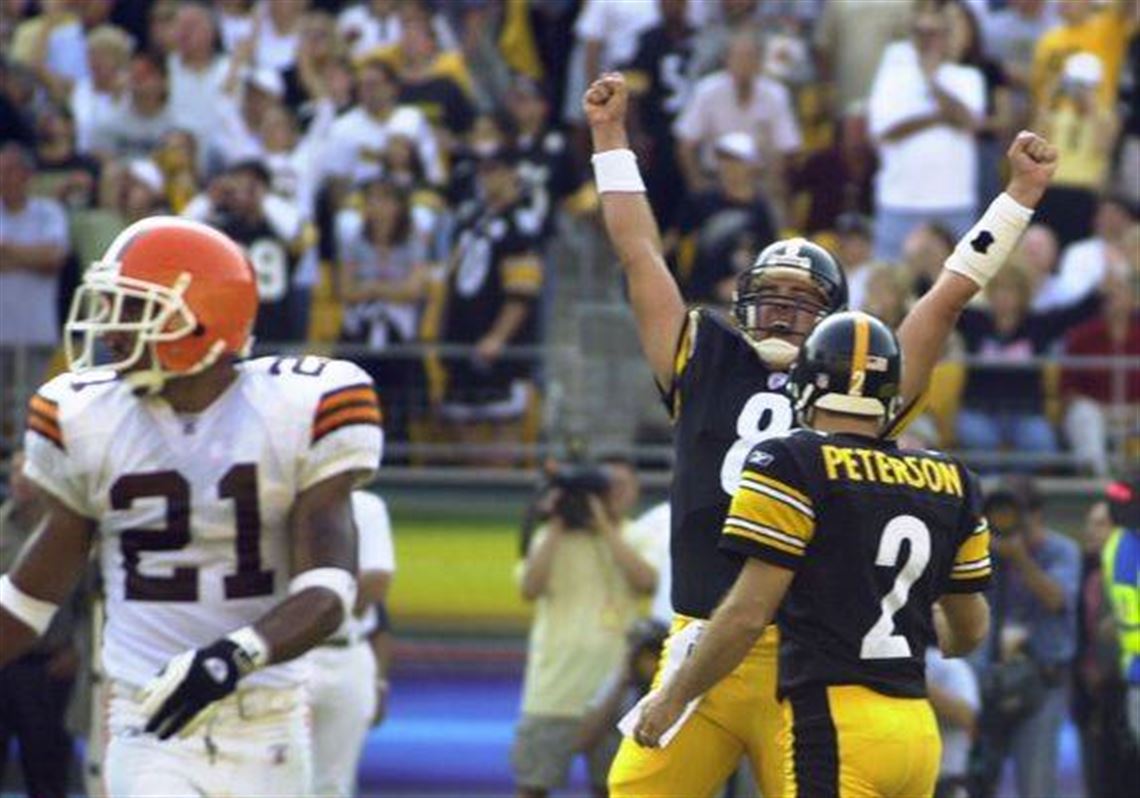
[411, 181]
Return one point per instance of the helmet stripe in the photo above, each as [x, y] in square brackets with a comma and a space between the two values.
[859, 357]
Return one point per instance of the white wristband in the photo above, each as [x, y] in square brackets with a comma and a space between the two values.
[33, 612]
[982, 252]
[337, 580]
[616, 170]
[254, 648]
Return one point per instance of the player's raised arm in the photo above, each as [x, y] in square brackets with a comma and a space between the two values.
[43, 578]
[979, 255]
[322, 594]
[657, 303]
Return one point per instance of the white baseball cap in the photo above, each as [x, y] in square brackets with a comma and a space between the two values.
[740, 146]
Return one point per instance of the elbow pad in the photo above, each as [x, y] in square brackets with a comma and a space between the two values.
[33, 612]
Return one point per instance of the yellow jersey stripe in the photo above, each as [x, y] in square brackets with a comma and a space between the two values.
[974, 548]
[906, 416]
[763, 540]
[761, 529]
[756, 476]
[972, 566]
[859, 357]
[968, 575]
[773, 514]
[779, 495]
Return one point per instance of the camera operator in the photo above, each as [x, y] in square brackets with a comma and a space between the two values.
[1033, 641]
[587, 568]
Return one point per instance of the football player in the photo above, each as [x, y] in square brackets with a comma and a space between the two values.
[723, 382]
[858, 544]
[219, 492]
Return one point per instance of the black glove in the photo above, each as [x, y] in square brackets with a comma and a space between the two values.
[179, 699]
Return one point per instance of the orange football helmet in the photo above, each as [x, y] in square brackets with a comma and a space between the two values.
[176, 290]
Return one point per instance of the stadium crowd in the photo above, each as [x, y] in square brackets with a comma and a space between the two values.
[401, 171]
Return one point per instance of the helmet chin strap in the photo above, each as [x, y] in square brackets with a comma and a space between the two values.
[776, 352]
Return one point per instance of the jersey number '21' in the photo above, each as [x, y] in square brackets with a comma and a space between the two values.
[238, 484]
[881, 642]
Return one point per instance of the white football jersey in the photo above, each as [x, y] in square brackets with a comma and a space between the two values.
[192, 512]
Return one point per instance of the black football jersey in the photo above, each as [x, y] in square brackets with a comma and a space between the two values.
[662, 64]
[724, 401]
[875, 535]
[274, 262]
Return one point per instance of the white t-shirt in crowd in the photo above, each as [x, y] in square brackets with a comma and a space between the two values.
[936, 168]
[357, 141]
[375, 551]
[90, 109]
[713, 110]
[194, 97]
[1082, 268]
[617, 26]
[654, 525]
[956, 677]
[27, 299]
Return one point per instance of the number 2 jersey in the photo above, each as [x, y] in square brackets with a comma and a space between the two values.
[724, 400]
[875, 535]
[192, 511]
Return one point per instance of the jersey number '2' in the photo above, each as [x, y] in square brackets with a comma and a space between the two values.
[239, 484]
[881, 642]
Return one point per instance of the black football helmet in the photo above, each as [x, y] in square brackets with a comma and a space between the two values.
[795, 258]
[851, 363]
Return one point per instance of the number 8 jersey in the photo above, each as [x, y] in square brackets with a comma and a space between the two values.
[192, 511]
[875, 534]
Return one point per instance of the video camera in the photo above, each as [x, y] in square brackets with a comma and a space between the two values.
[577, 482]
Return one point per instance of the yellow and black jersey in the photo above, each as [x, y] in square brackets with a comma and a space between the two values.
[875, 535]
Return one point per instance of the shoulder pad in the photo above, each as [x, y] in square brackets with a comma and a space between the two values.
[60, 405]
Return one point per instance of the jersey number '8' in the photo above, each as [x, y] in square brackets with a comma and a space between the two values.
[765, 415]
[238, 484]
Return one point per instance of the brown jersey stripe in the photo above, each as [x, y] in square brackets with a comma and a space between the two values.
[47, 430]
[332, 398]
[355, 399]
[347, 416]
[45, 407]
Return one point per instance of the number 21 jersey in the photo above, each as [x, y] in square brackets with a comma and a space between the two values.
[192, 511]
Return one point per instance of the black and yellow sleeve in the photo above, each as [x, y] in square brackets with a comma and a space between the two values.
[771, 517]
[972, 569]
[672, 394]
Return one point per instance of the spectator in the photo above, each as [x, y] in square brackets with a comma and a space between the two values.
[952, 689]
[1102, 32]
[1085, 131]
[358, 138]
[437, 82]
[738, 100]
[270, 229]
[383, 280]
[1011, 34]
[586, 570]
[856, 250]
[494, 281]
[660, 81]
[723, 229]
[1104, 404]
[247, 95]
[51, 44]
[886, 294]
[197, 71]
[33, 249]
[924, 111]
[17, 91]
[836, 180]
[1037, 255]
[61, 172]
[162, 35]
[129, 191]
[277, 27]
[1128, 159]
[95, 98]
[320, 70]
[235, 22]
[849, 38]
[1122, 572]
[726, 18]
[925, 250]
[139, 124]
[177, 160]
[1085, 263]
[370, 24]
[1098, 693]
[1035, 599]
[608, 34]
[34, 689]
[1004, 399]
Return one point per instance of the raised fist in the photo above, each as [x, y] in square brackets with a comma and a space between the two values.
[1032, 162]
[606, 100]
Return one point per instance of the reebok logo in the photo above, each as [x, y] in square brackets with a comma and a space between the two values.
[217, 669]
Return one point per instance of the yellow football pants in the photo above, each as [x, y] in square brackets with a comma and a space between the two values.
[739, 716]
[852, 742]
